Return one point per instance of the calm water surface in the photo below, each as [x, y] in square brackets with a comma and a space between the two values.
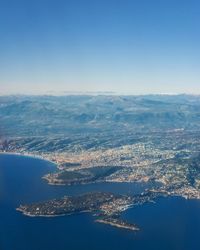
[171, 223]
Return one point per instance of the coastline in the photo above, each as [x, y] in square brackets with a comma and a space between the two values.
[129, 227]
[48, 215]
[38, 215]
[29, 155]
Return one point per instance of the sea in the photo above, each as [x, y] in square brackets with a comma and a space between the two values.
[168, 224]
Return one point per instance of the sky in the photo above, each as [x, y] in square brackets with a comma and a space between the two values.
[119, 46]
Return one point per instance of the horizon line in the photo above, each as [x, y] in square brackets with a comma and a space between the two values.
[97, 93]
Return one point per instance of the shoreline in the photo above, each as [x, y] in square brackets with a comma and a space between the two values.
[33, 215]
[129, 227]
[23, 212]
[29, 155]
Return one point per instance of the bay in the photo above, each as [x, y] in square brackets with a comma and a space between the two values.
[170, 223]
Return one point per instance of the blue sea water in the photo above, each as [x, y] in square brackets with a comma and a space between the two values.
[170, 223]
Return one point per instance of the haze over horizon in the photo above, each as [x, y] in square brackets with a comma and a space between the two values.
[133, 47]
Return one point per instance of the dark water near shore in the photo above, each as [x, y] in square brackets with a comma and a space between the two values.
[171, 223]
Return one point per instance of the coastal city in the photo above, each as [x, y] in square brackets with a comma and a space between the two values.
[166, 160]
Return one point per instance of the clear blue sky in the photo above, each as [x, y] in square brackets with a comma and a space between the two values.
[126, 46]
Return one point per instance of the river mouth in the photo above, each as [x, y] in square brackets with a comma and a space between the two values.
[170, 223]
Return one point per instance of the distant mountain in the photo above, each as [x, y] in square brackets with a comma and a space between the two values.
[52, 115]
